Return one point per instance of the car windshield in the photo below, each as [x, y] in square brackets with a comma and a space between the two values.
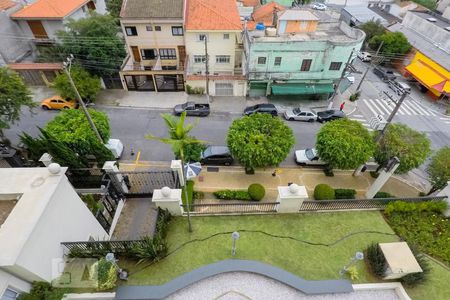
[309, 154]
[296, 110]
[207, 152]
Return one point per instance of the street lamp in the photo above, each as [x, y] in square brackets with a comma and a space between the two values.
[123, 275]
[358, 256]
[234, 237]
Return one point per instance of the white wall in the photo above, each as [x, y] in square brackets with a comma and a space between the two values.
[217, 45]
[9, 281]
[65, 219]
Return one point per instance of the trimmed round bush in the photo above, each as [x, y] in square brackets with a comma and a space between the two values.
[323, 192]
[256, 191]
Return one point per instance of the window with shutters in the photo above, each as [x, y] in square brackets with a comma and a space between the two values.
[306, 65]
[277, 61]
[167, 53]
[261, 60]
[335, 66]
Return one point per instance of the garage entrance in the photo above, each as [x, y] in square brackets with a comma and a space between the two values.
[224, 89]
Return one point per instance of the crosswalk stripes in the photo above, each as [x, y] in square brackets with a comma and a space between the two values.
[408, 108]
[362, 120]
[446, 120]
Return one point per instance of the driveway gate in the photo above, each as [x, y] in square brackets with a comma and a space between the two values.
[142, 183]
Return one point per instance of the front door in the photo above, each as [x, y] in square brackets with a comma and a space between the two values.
[136, 55]
[37, 29]
[182, 56]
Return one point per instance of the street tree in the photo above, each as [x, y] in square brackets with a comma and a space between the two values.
[439, 169]
[13, 96]
[87, 84]
[344, 144]
[410, 146]
[394, 44]
[95, 42]
[372, 28]
[259, 140]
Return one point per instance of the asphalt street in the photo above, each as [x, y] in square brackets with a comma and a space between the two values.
[130, 125]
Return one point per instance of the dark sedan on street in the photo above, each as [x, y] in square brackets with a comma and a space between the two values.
[330, 115]
[216, 155]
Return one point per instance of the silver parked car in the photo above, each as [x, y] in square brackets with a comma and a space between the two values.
[296, 114]
[308, 156]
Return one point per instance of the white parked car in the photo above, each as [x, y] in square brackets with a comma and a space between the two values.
[364, 56]
[115, 146]
[319, 6]
[308, 156]
[351, 79]
[296, 114]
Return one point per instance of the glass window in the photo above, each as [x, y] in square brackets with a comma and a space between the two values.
[157, 28]
[149, 28]
[277, 61]
[202, 37]
[10, 294]
[177, 30]
[226, 36]
[199, 59]
[223, 59]
[131, 30]
[306, 65]
[167, 54]
[261, 60]
[335, 66]
[149, 54]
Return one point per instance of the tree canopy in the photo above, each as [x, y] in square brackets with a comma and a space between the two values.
[394, 44]
[95, 42]
[260, 140]
[344, 144]
[410, 146]
[13, 95]
[372, 28]
[87, 85]
[439, 169]
[114, 6]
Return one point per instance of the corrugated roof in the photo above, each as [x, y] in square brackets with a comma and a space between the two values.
[158, 9]
[49, 9]
[212, 15]
[294, 15]
[5, 4]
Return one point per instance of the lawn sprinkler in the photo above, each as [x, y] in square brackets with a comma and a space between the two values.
[234, 237]
[358, 256]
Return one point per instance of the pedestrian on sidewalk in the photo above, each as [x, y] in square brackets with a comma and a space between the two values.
[341, 108]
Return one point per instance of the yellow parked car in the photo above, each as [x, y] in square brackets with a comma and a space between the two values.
[57, 102]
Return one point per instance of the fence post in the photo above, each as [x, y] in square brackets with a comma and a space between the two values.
[446, 192]
[111, 169]
[175, 165]
[291, 198]
[170, 199]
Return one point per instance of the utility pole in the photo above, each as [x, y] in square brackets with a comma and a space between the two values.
[369, 67]
[340, 79]
[67, 64]
[207, 68]
[391, 116]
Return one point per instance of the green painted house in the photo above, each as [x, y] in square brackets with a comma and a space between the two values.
[301, 55]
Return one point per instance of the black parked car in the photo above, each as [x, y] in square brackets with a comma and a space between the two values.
[265, 108]
[192, 109]
[385, 74]
[216, 155]
[330, 115]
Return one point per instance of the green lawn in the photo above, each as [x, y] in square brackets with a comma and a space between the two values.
[307, 261]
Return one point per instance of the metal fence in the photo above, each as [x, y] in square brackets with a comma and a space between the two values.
[233, 208]
[358, 204]
[87, 178]
[93, 247]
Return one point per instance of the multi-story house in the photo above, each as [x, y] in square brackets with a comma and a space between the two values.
[214, 27]
[39, 209]
[300, 55]
[14, 46]
[154, 36]
[42, 19]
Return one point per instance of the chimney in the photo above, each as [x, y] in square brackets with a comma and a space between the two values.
[275, 16]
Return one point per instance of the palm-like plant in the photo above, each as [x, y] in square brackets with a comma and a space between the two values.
[178, 138]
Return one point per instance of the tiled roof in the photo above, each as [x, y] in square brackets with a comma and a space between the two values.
[212, 15]
[49, 9]
[5, 4]
[152, 9]
[264, 13]
[35, 66]
[251, 3]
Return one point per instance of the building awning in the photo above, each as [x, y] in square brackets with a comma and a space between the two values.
[301, 89]
[427, 75]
